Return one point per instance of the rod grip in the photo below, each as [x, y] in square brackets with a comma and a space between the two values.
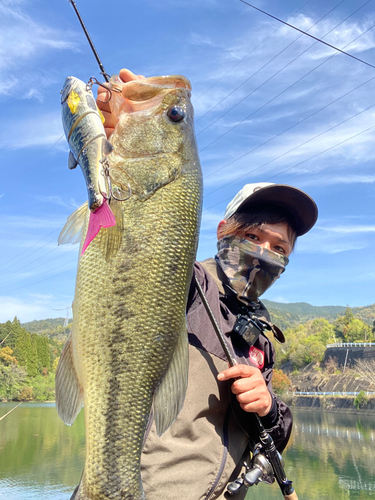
[292, 496]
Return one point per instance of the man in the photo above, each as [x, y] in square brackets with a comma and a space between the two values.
[206, 446]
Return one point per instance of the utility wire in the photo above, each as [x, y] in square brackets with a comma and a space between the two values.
[289, 128]
[243, 58]
[40, 281]
[308, 34]
[35, 260]
[27, 249]
[293, 166]
[285, 90]
[322, 152]
[258, 70]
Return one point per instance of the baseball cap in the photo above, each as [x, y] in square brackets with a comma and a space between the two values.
[300, 205]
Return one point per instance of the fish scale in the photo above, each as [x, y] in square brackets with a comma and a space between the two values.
[129, 337]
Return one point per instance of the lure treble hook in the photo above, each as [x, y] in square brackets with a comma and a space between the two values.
[105, 173]
[95, 81]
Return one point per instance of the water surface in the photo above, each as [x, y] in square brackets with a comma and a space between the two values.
[330, 457]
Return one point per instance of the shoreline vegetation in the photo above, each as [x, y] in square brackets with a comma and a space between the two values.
[29, 354]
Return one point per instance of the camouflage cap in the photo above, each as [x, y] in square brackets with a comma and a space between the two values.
[299, 204]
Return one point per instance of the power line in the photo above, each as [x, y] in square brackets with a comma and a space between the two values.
[308, 34]
[26, 249]
[35, 260]
[285, 90]
[289, 128]
[40, 281]
[296, 147]
[240, 61]
[255, 73]
[296, 165]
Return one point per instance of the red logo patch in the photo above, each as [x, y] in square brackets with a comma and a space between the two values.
[257, 357]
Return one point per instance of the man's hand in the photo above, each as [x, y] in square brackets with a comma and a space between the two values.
[250, 388]
[105, 107]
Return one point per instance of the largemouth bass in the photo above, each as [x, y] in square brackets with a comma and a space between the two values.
[89, 147]
[128, 350]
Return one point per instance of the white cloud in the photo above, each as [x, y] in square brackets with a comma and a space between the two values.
[41, 130]
[37, 306]
[25, 40]
[344, 230]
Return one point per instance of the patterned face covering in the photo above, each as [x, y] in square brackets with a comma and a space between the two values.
[250, 269]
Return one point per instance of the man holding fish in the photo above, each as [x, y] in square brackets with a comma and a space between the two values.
[204, 449]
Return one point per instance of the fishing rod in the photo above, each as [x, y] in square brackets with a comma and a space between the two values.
[267, 463]
[103, 71]
[10, 411]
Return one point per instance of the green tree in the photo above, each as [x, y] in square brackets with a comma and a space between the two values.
[6, 356]
[26, 353]
[357, 331]
[43, 351]
[361, 400]
[12, 380]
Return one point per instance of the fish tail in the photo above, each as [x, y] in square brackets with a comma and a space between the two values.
[102, 217]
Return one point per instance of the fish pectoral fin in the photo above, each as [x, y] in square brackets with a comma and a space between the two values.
[110, 242]
[107, 147]
[72, 232]
[72, 162]
[170, 395]
[69, 393]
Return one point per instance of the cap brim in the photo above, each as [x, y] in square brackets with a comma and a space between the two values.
[300, 205]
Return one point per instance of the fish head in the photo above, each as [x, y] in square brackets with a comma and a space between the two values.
[154, 140]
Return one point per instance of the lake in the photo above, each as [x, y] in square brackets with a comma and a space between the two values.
[330, 456]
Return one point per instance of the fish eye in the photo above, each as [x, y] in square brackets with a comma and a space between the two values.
[176, 114]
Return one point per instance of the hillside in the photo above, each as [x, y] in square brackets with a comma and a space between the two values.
[286, 315]
[53, 328]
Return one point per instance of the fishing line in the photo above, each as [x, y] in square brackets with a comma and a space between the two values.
[256, 72]
[285, 90]
[247, 55]
[309, 35]
[58, 140]
[295, 148]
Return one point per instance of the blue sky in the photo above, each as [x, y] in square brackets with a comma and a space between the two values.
[270, 105]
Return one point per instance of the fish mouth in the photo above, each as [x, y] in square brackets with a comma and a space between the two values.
[141, 95]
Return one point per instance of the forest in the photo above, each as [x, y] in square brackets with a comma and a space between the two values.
[29, 353]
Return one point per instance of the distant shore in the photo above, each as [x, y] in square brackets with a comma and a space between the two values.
[337, 404]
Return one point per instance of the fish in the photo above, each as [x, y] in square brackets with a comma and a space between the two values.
[127, 355]
[89, 147]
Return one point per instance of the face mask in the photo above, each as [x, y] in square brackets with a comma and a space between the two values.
[250, 269]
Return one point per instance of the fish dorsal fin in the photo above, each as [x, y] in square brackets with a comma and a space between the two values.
[107, 147]
[72, 232]
[72, 162]
[170, 395]
[69, 393]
